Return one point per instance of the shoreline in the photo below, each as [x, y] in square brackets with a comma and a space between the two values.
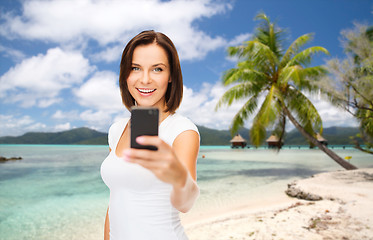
[344, 212]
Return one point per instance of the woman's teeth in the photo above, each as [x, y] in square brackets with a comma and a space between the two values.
[142, 90]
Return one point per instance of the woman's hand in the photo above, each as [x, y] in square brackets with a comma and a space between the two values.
[175, 165]
[163, 162]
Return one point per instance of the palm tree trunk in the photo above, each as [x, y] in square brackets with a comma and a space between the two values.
[346, 165]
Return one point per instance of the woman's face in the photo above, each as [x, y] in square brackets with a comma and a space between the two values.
[149, 77]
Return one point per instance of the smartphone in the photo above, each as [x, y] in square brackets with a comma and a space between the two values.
[144, 121]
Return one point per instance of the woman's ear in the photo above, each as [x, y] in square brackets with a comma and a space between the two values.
[169, 80]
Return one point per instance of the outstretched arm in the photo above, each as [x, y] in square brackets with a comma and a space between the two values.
[186, 147]
[175, 165]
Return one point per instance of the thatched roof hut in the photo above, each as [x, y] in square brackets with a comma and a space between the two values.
[274, 142]
[238, 141]
[321, 140]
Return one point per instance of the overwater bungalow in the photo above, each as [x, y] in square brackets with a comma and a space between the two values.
[320, 139]
[274, 142]
[238, 141]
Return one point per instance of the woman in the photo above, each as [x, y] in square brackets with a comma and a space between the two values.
[148, 188]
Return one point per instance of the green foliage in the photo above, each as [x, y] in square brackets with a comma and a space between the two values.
[264, 68]
[351, 82]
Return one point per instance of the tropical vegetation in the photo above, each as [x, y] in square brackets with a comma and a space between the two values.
[264, 68]
[350, 84]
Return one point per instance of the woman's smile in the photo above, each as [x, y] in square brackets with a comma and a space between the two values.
[146, 91]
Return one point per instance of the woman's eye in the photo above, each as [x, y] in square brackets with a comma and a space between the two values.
[158, 69]
[135, 69]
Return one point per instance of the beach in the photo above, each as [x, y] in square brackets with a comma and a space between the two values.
[56, 192]
[345, 212]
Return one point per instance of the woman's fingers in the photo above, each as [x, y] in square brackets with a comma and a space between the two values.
[163, 162]
[149, 140]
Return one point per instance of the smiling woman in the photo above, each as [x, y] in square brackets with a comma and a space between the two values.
[148, 188]
[157, 54]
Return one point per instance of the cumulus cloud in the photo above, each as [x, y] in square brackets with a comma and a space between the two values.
[62, 127]
[200, 107]
[240, 39]
[100, 92]
[331, 115]
[11, 53]
[38, 80]
[11, 125]
[109, 22]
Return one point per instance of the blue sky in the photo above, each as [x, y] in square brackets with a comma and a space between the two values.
[59, 60]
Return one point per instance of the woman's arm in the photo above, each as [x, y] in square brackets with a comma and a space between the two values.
[175, 165]
[107, 226]
[186, 147]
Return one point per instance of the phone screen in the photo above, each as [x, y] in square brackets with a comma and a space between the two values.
[144, 122]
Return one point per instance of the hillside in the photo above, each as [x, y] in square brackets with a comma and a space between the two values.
[74, 136]
[334, 135]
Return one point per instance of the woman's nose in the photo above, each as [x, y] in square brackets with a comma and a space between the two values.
[145, 78]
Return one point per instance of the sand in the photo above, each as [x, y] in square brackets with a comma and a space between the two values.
[345, 212]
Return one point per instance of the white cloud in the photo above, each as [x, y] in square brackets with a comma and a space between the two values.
[11, 125]
[39, 79]
[67, 116]
[11, 53]
[110, 54]
[331, 115]
[239, 39]
[62, 127]
[199, 107]
[98, 120]
[114, 21]
[101, 92]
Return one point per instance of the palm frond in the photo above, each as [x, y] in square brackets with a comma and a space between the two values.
[305, 111]
[260, 55]
[294, 48]
[243, 114]
[236, 51]
[269, 34]
[244, 72]
[301, 78]
[235, 93]
[265, 117]
[304, 57]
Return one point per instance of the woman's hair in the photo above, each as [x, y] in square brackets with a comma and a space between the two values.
[174, 92]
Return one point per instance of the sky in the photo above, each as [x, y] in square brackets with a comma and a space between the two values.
[59, 59]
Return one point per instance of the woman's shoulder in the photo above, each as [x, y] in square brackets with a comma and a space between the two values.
[118, 126]
[115, 131]
[178, 124]
[182, 122]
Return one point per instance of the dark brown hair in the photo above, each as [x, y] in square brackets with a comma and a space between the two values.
[174, 92]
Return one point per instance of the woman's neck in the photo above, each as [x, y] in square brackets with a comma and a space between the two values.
[163, 116]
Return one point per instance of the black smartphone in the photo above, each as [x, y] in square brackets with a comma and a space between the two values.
[144, 121]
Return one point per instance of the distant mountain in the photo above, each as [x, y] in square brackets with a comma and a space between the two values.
[211, 136]
[334, 136]
[74, 136]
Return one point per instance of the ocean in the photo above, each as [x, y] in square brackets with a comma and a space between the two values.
[56, 191]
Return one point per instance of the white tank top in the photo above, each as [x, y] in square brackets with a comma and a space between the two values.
[140, 206]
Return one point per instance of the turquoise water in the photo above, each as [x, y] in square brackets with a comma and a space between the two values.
[56, 191]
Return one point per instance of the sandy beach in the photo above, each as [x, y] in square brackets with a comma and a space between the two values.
[345, 211]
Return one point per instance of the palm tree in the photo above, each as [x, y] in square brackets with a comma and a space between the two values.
[265, 69]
